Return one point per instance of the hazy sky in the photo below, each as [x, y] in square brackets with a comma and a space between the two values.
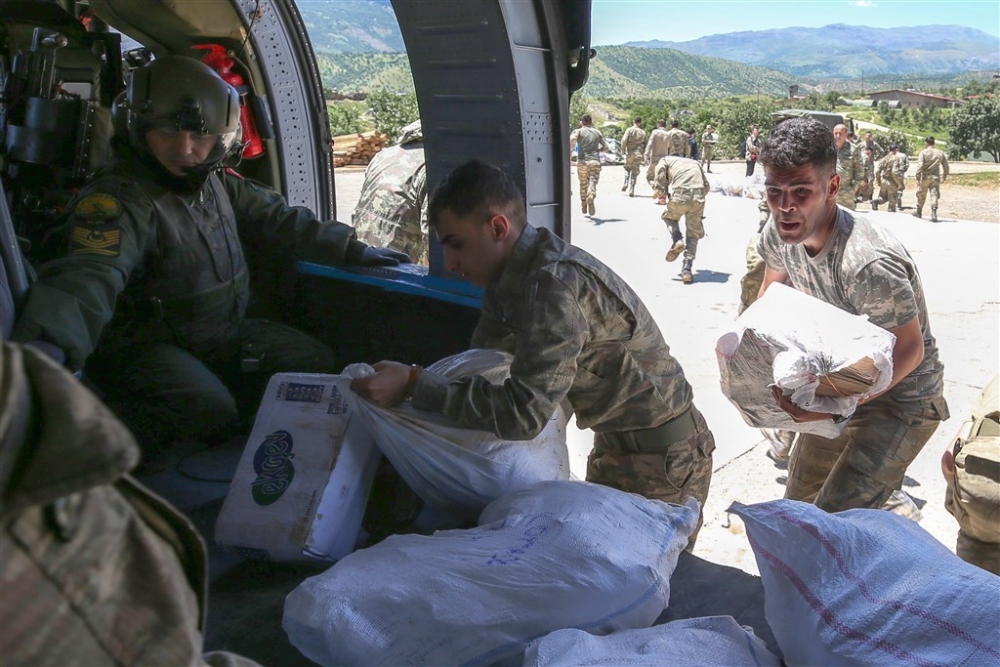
[620, 21]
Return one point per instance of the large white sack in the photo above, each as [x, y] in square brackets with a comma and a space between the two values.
[790, 339]
[562, 554]
[711, 641]
[460, 469]
[868, 587]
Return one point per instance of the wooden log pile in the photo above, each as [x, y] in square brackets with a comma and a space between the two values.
[357, 149]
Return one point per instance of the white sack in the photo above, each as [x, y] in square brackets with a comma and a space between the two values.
[712, 641]
[459, 469]
[868, 587]
[796, 338]
[563, 554]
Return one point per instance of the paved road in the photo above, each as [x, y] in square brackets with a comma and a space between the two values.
[958, 264]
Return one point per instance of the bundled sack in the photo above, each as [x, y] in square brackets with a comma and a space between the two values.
[460, 469]
[823, 358]
[868, 587]
[562, 554]
[711, 641]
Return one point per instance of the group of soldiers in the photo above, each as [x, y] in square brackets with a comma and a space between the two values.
[864, 165]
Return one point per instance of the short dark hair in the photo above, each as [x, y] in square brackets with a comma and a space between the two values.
[929, 140]
[637, 119]
[586, 118]
[477, 188]
[796, 142]
[674, 122]
[894, 147]
[661, 123]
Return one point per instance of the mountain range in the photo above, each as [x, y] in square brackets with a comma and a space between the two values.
[360, 48]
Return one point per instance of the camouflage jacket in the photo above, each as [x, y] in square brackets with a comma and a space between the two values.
[392, 210]
[147, 263]
[590, 142]
[680, 173]
[709, 138]
[657, 146]
[96, 569]
[633, 141]
[850, 167]
[576, 331]
[678, 143]
[864, 270]
[931, 163]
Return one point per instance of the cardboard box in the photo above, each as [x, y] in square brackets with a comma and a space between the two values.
[302, 484]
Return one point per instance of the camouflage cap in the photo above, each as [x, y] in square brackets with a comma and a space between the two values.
[411, 133]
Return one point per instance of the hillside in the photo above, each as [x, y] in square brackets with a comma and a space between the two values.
[842, 51]
[623, 71]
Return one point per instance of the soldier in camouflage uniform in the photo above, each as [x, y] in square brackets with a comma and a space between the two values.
[577, 331]
[931, 172]
[633, 145]
[156, 284]
[392, 210]
[590, 142]
[678, 141]
[849, 167]
[972, 469]
[888, 174]
[854, 264]
[656, 149]
[688, 187]
[867, 187]
[96, 569]
[708, 140]
[903, 165]
[876, 148]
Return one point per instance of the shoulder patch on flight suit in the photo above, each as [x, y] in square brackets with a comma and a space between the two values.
[96, 240]
[97, 208]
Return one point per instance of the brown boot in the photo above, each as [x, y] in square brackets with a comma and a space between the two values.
[590, 205]
[686, 276]
[583, 206]
[675, 250]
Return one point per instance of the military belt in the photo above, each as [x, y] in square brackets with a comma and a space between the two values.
[657, 439]
[692, 191]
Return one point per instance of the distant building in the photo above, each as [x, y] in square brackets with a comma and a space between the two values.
[793, 91]
[911, 98]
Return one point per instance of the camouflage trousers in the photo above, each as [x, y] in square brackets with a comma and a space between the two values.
[651, 177]
[642, 462]
[887, 193]
[866, 463]
[932, 185]
[689, 204]
[589, 174]
[866, 191]
[633, 164]
[845, 197]
[706, 155]
[754, 277]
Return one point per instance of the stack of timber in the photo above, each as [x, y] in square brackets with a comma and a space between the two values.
[357, 149]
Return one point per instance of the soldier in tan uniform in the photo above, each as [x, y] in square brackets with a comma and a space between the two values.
[852, 263]
[867, 188]
[889, 175]
[931, 172]
[849, 167]
[577, 332]
[708, 140]
[633, 145]
[392, 210]
[688, 187]
[678, 141]
[657, 148]
[96, 569]
[589, 142]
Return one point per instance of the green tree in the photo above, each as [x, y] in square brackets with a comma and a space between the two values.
[975, 129]
[579, 104]
[344, 119]
[736, 121]
[391, 111]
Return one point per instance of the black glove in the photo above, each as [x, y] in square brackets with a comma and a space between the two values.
[383, 257]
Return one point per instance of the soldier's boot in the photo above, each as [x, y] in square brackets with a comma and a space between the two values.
[675, 250]
[686, 276]
[934, 214]
[917, 213]
[583, 206]
[875, 205]
[625, 184]
[892, 207]
[902, 504]
[631, 188]
[590, 205]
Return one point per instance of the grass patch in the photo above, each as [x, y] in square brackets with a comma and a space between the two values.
[983, 179]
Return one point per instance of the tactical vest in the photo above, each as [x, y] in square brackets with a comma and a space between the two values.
[193, 288]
